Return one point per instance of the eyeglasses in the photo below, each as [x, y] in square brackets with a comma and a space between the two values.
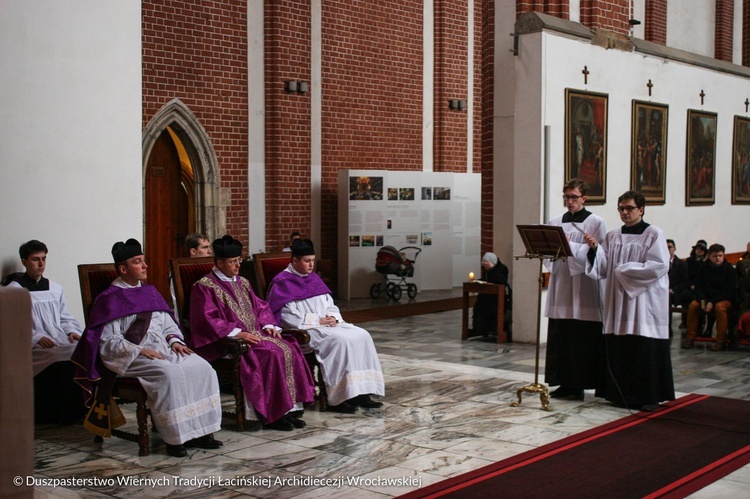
[629, 209]
[571, 197]
[236, 261]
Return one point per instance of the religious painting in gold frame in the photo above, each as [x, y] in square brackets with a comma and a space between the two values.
[586, 141]
[648, 150]
[741, 161]
[700, 158]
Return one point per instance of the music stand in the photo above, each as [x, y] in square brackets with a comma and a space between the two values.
[543, 242]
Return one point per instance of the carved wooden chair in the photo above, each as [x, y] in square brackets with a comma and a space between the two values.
[186, 272]
[95, 278]
[267, 265]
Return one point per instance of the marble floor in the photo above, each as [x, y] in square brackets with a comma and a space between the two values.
[446, 412]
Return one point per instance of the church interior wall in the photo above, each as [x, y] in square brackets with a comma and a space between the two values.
[70, 123]
[623, 76]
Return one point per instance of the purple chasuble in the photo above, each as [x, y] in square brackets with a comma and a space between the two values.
[274, 372]
[288, 287]
[113, 303]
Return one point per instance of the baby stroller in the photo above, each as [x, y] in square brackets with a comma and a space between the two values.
[393, 262]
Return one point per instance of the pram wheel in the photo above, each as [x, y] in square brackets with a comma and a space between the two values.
[375, 291]
[411, 290]
[394, 291]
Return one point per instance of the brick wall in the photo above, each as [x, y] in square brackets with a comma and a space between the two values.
[724, 30]
[557, 8]
[451, 73]
[372, 94]
[488, 116]
[610, 15]
[288, 127]
[746, 33]
[196, 51]
[655, 24]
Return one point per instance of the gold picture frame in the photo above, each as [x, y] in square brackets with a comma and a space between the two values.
[648, 150]
[586, 141]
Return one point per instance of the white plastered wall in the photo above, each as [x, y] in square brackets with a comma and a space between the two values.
[70, 132]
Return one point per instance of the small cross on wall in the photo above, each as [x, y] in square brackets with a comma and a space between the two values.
[585, 74]
[702, 94]
[747, 103]
[649, 85]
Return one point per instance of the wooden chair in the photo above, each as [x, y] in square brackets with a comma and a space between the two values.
[95, 278]
[186, 272]
[267, 265]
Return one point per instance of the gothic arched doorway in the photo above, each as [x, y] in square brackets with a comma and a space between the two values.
[180, 188]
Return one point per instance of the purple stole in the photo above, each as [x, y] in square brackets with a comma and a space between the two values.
[288, 287]
[91, 373]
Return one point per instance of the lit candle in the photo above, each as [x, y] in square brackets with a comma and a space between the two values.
[471, 276]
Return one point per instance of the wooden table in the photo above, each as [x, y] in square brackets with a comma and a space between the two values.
[489, 289]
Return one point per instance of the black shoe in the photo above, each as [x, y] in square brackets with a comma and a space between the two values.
[575, 394]
[296, 422]
[204, 442]
[561, 392]
[365, 401]
[650, 407]
[280, 425]
[176, 450]
[343, 408]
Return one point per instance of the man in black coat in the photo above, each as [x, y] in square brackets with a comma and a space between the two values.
[680, 293]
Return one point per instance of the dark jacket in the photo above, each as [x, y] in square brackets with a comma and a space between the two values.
[716, 283]
[679, 281]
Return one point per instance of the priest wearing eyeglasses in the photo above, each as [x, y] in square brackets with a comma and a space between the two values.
[634, 260]
[574, 336]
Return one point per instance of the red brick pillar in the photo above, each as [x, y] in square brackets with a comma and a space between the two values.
[451, 31]
[655, 24]
[557, 8]
[488, 120]
[746, 33]
[610, 15]
[288, 131]
[724, 30]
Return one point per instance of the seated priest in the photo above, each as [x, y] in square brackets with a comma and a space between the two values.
[132, 333]
[348, 360]
[275, 378]
[54, 336]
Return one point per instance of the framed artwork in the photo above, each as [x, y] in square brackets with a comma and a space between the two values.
[700, 158]
[741, 161]
[586, 141]
[648, 150]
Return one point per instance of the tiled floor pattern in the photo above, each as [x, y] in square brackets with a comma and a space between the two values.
[446, 412]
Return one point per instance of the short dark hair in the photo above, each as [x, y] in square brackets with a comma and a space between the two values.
[636, 196]
[30, 247]
[576, 183]
[194, 240]
[716, 248]
[672, 241]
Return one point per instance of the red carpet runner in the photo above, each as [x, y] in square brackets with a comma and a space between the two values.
[673, 452]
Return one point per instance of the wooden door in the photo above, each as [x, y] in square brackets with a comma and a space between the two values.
[166, 212]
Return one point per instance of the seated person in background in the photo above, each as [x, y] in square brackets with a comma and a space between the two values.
[198, 246]
[275, 377]
[55, 333]
[680, 293]
[292, 237]
[131, 333]
[351, 369]
[695, 261]
[743, 294]
[484, 320]
[715, 291]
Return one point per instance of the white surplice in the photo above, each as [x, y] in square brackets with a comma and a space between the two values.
[345, 352]
[51, 319]
[637, 292]
[183, 391]
[572, 294]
